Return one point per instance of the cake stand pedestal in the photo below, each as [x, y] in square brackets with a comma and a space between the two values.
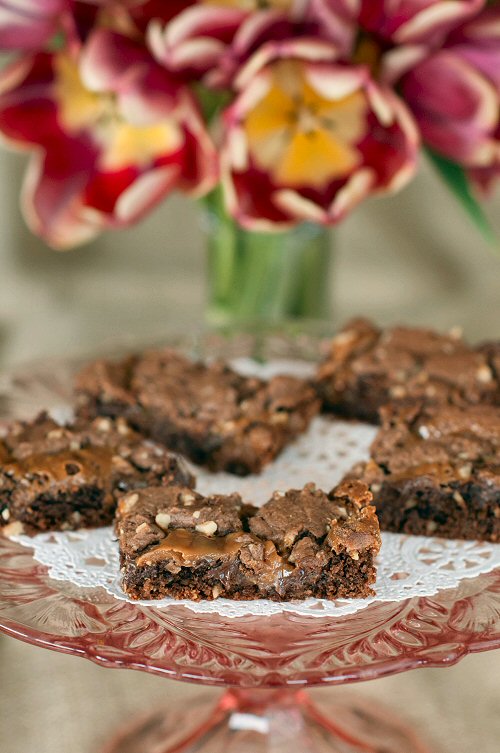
[266, 662]
[263, 664]
[271, 721]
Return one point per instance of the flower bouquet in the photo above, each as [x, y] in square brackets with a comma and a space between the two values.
[281, 115]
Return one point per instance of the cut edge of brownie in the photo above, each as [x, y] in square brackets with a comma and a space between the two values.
[84, 507]
[468, 510]
[432, 475]
[355, 338]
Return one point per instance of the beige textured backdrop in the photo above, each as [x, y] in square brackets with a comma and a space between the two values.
[412, 258]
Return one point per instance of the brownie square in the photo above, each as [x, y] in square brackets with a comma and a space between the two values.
[435, 470]
[368, 367]
[207, 412]
[302, 543]
[55, 477]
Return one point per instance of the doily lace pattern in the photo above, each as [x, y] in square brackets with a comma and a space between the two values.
[408, 566]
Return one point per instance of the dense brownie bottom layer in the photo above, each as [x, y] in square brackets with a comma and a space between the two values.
[84, 508]
[468, 511]
[343, 578]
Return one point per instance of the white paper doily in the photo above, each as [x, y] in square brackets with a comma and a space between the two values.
[408, 566]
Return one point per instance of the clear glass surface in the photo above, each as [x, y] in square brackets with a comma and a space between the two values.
[264, 277]
[281, 651]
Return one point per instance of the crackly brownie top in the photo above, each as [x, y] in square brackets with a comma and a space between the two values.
[107, 381]
[409, 362]
[299, 521]
[180, 525]
[205, 398]
[445, 442]
[101, 451]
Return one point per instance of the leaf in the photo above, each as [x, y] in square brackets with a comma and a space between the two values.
[457, 181]
[211, 102]
[6, 58]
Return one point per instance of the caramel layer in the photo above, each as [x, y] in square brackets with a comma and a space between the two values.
[62, 465]
[190, 546]
[442, 473]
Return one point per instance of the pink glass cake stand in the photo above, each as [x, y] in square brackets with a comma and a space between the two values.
[264, 662]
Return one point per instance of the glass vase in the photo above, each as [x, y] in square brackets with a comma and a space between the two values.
[262, 279]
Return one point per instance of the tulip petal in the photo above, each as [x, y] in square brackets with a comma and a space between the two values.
[94, 166]
[195, 40]
[456, 107]
[309, 140]
[51, 196]
[144, 193]
[29, 24]
[415, 21]
[478, 42]
[437, 16]
[296, 205]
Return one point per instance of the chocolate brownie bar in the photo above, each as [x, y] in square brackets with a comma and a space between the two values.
[55, 477]
[368, 367]
[207, 412]
[303, 543]
[435, 470]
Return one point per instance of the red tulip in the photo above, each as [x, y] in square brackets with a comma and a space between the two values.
[414, 21]
[308, 138]
[29, 24]
[454, 93]
[111, 134]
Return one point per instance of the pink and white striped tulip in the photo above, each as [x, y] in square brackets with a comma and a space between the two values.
[454, 94]
[215, 39]
[195, 41]
[415, 21]
[29, 24]
[308, 138]
[111, 134]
